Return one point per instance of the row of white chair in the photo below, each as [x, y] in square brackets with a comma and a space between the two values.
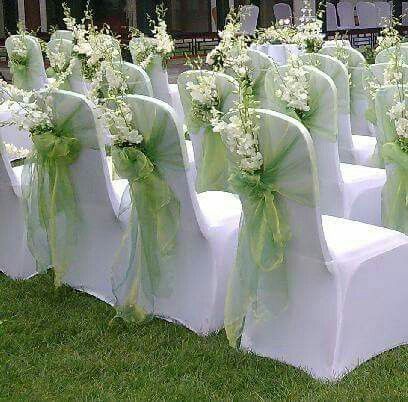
[370, 15]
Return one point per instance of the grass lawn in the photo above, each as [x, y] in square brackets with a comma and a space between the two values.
[58, 345]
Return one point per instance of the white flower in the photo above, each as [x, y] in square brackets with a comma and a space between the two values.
[294, 86]
[15, 152]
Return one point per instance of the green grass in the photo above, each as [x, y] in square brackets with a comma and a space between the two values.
[58, 345]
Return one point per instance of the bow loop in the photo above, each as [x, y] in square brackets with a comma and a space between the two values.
[131, 163]
[56, 147]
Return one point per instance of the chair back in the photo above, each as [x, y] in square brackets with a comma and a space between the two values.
[385, 55]
[249, 19]
[63, 34]
[384, 13]
[33, 75]
[367, 14]
[345, 11]
[331, 17]
[282, 11]
[405, 13]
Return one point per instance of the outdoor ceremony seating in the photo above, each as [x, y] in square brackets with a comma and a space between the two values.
[343, 281]
[384, 13]
[367, 14]
[345, 11]
[385, 55]
[347, 191]
[331, 17]
[62, 34]
[249, 20]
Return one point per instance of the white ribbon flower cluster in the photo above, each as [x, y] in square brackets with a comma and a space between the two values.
[294, 86]
[145, 49]
[15, 152]
[205, 100]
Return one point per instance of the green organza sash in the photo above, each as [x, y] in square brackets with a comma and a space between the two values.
[146, 260]
[212, 164]
[153, 227]
[31, 75]
[321, 119]
[258, 282]
[395, 192]
[49, 200]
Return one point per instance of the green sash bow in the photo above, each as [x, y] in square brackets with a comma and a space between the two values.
[152, 230]
[49, 200]
[258, 280]
[395, 192]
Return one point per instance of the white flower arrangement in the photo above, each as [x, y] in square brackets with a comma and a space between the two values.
[399, 114]
[145, 49]
[205, 100]
[294, 86]
[230, 45]
[280, 33]
[91, 46]
[309, 34]
[240, 135]
[388, 37]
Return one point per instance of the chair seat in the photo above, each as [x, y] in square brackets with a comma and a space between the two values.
[354, 174]
[358, 241]
[219, 208]
[364, 147]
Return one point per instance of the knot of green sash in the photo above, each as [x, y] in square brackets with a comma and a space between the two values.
[50, 202]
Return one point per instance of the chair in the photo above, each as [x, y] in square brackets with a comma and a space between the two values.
[405, 13]
[206, 239]
[395, 212]
[347, 191]
[345, 11]
[160, 81]
[55, 46]
[331, 17]
[209, 151]
[343, 279]
[384, 13]
[282, 11]
[385, 55]
[354, 149]
[358, 97]
[32, 76]
[62, 34]
[249, 19]
[15, 258]
[259, 64]
[367, 14]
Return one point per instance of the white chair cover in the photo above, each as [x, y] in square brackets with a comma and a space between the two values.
[384, 13]
[15, 258]
[385, 55]
[206, 238]
[405, 13]
[345, 11]
[249, 19]
[367, 14]
[331, 17]
[345, 280]
[282, 11]
[62, 34]
[358, 97]
[35, 76]
[347, 191]
[353, 149]
[259, 64]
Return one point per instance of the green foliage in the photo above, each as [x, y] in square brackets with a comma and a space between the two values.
[368, 52]
[58, 345]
